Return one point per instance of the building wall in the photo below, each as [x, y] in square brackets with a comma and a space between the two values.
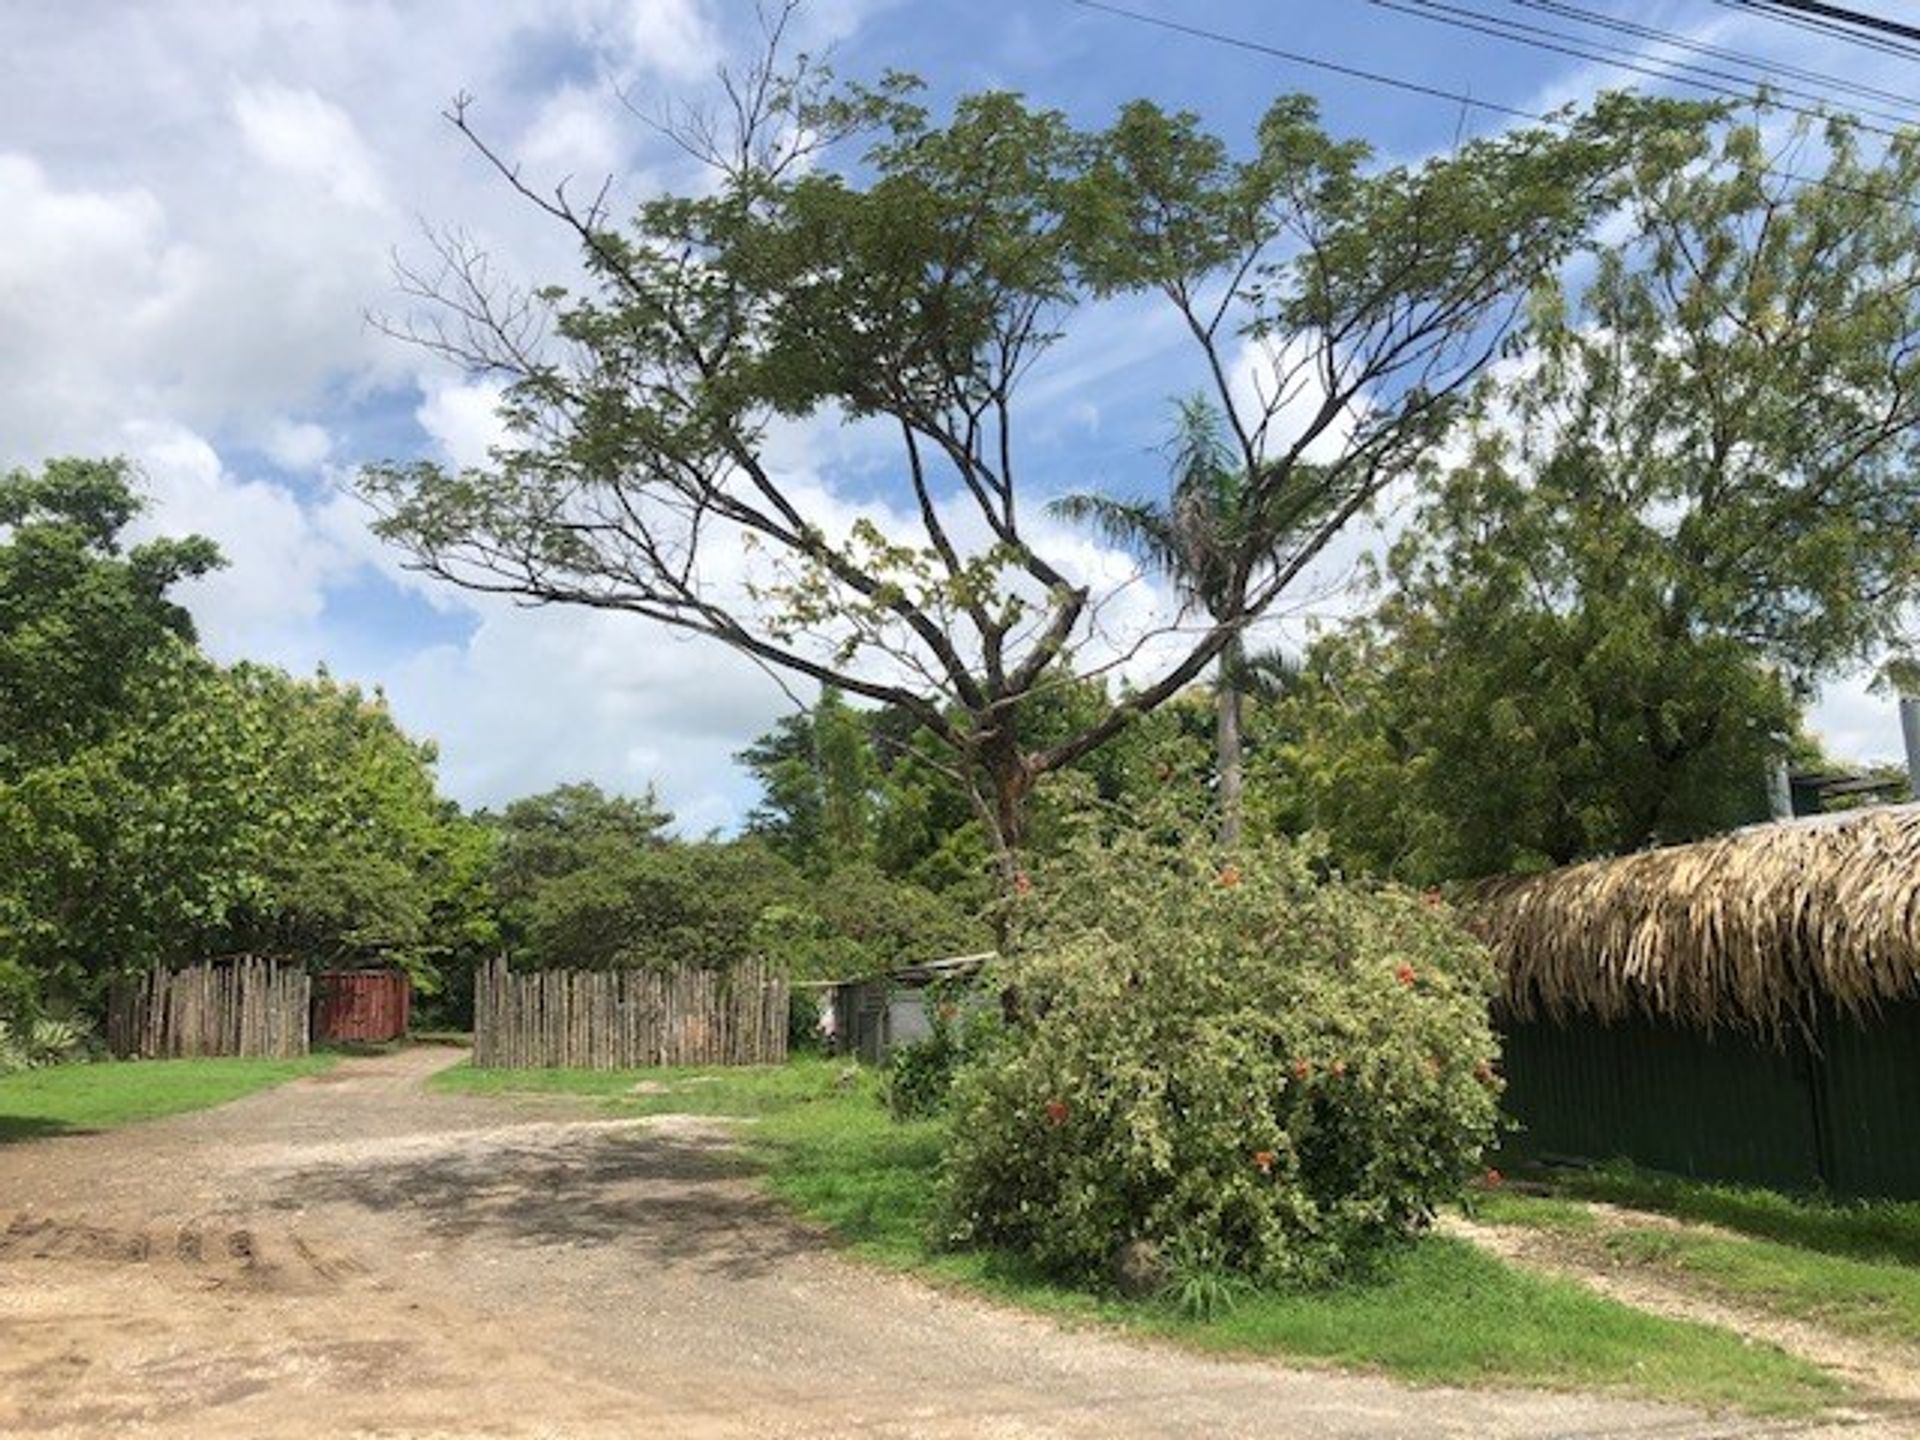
[1838, 1110]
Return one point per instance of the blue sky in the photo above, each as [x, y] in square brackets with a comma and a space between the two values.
[202, 201]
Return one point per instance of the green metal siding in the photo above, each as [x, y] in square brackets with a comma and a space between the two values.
[1841, 1113]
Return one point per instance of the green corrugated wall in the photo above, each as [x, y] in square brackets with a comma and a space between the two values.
[1840, 1112]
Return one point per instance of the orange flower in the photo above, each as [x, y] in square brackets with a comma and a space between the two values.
[1302, 1069]
[1263, 1160]
[1229, 875]
[1022, 883]
[1056, 1112]
[1494, 1177]
[1405, 975]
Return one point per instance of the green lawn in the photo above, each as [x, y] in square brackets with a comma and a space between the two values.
[68, 1099]
[1843, 1266]
[1440, 1312]
[1865, 1230]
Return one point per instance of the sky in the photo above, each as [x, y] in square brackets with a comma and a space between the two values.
[202, 204]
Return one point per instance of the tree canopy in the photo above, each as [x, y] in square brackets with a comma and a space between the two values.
[1694, 499]
[854, 258]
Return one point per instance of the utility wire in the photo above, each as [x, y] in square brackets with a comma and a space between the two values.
[1846, 15]
[1460, 17]
[1415, 87]
[1564, 9]
[1294, 57]
[1825, 29]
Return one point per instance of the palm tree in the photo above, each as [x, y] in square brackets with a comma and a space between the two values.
[1201, 539]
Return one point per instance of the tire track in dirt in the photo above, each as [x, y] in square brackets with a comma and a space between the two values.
[215, 1255]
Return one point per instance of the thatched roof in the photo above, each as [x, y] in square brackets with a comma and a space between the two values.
[1751, 928]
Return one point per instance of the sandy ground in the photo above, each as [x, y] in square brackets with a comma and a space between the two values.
[351, 1255]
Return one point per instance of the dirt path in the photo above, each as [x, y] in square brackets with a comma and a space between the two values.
[351, 1255]
[1886, 1377]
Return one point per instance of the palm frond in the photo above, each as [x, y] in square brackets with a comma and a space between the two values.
[1135, 526]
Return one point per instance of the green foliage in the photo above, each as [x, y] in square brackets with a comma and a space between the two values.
[1694, 499]
[358, 860]
[80, 613]
[156, 808]
[1229, 1057]
[659, 906]
[30, 1044]
[857, 257]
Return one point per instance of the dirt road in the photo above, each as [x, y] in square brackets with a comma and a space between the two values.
[352, 1255]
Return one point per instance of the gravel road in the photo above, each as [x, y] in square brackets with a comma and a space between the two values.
[353, 1255]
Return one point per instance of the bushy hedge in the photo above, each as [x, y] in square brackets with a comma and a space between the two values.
[1237, 1067]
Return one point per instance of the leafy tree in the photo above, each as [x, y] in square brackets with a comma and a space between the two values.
[358, 858]
[155, 808]
[913, 284]
[1696, 502]
[819, 772]
[80, 611]
[131, 850]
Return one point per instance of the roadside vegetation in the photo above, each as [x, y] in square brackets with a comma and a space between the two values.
[73, 1099]
[1853, 1268]
[1436, 1311]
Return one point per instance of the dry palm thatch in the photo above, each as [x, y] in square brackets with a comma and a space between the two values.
[1752, 929]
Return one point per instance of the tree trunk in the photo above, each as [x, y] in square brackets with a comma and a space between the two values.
[1229, 746]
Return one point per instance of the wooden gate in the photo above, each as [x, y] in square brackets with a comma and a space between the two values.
[370, 1006]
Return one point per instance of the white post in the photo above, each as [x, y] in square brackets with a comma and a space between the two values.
[1779, 790]
[1910, 732]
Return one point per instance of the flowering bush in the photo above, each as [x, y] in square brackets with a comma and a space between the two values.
[1247, 1063]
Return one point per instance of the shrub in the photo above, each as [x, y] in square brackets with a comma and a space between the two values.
[1240, 1062]
[921, 1075]
[30, 1044]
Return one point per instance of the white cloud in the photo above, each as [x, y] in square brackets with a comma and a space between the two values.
[463, 419]
[672, 38]
[282, 555]
[298, 445]
[298, 132]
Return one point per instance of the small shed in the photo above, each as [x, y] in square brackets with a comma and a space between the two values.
[1745, 1008]
[874, 1014]
[366, 1006]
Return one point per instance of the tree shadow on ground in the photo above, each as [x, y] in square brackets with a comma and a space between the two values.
[682, 1199]
[15, 1128]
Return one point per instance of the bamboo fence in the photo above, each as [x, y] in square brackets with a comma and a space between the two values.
[249, 1006]
[627, 1019]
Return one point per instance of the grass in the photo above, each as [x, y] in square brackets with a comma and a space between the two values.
[1843, 1266]
[1440, 1312]
[1883, 1231]
[70, 1099]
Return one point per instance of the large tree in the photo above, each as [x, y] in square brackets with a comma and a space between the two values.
[850, 257]
[1698, 498]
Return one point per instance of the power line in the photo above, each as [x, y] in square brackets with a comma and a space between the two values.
[1415, 87]
[1825, 29]
[1618, 25]
[1460, 17]
[1294, 57]
[1845, 15]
